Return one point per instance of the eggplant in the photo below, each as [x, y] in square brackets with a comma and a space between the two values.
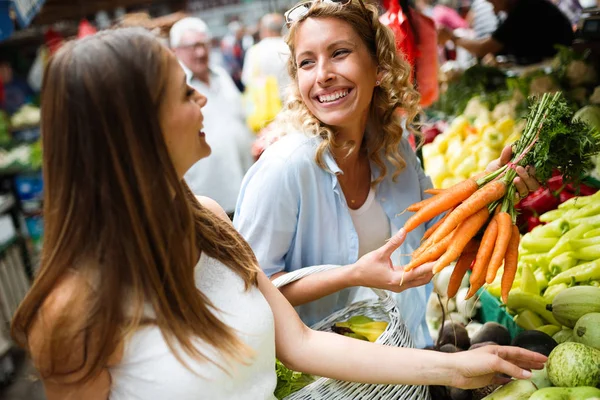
[534, 340]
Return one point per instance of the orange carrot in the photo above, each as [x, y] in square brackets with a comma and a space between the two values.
[434, 191]
[511, 259]
[465, 260]
[417, 206]
[443, 201]
[477, 278]
[504, 222]
[432, 253]
[432, 228]
[464, 233]
[480, 199]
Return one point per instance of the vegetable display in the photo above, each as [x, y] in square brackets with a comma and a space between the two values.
[289, 381]
[551, 141]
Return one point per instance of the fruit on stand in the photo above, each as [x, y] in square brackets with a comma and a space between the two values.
[520, 389]
[573, 303]
[360, 327]
[535, 341]
[492, 332]
[574, 364]
[577, 393]
[468, 145]
[486, 204]
[564, 256]
[587, 330]
[539, 377]
[564, 335]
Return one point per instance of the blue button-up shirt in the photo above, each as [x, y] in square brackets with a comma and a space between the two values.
[294, 215]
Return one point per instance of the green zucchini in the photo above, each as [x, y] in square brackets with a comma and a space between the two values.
[573, 303]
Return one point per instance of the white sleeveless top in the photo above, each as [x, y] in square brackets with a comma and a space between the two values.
[150, 371]
[372, 225]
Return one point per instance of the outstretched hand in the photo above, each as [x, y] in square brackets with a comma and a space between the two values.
[375, 269]
[485, 365]
[525, 182]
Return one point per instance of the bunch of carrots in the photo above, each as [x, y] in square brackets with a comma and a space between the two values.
[470, 206]
[478, 229]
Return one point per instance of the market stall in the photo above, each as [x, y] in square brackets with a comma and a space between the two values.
[552, 304]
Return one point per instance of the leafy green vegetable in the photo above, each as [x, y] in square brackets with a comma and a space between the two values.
[289, 381]
[561, 143]
[488, 83]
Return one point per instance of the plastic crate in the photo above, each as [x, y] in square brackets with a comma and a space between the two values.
[492, 310]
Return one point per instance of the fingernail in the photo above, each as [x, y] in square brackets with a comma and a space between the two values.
[526, 374]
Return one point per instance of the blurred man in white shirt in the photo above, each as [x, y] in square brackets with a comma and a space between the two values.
[220, 175]
[269, 56]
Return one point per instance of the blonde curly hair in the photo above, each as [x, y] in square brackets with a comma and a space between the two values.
[394, 95]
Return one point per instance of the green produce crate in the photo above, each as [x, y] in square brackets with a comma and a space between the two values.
[492, 310]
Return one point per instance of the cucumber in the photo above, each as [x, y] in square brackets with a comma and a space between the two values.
[574, 364]
[573, 303]
[578, 393]
[564, 335]
[587, 330]
[514, 390]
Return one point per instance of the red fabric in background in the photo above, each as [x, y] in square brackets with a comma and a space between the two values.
[421, 56]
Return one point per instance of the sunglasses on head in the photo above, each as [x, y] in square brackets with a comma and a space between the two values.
[297, 12]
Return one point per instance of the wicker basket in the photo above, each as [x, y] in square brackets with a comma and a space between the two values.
[396, 334]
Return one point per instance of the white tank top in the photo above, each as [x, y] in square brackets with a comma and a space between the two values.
[150, 371]
[372, 225]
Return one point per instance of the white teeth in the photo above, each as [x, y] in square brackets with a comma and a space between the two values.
[334, 96]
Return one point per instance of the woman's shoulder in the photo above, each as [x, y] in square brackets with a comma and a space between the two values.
[63, 314]
[290, 146]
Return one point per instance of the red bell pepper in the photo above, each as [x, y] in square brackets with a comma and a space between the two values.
[555, 184]
[532, 222]
[565, 195]
[581, 189]
[539, 201]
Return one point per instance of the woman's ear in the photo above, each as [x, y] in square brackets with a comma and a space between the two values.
[379, 76]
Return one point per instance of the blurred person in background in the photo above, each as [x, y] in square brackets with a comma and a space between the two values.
[441, 14]
[230, 141]
[269, 56]
[482, 19]
[528, 35]
[233, 47]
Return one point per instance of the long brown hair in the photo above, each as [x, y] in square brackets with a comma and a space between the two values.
[395, 92]
[115, 210]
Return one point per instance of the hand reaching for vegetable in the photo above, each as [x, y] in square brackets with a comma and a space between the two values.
[375, 269]
[525, 182]
[484, 366]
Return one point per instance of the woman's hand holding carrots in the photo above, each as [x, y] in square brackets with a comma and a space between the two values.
[525, 182]
[375, 269]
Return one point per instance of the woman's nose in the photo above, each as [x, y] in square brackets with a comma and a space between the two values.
[324, 73]
[201, 100]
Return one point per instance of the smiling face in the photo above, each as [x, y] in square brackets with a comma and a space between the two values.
[181, 120]
[336, 73]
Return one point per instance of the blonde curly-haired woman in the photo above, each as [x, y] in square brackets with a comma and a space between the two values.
[332, 189]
